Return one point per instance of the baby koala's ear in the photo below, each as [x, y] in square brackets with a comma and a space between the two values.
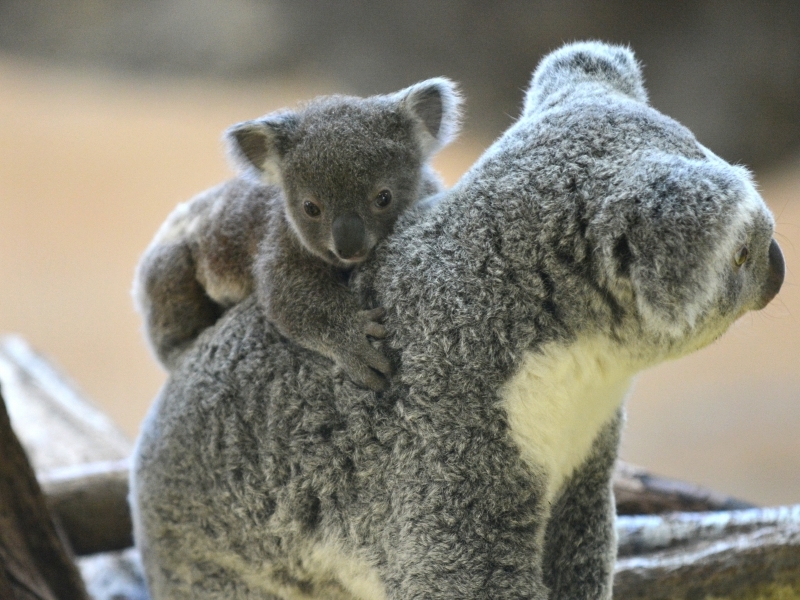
[257, 147]
[436, 106]
[560, 73]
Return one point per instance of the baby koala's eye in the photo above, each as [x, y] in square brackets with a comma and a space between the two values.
[312, 210]
[383, 199]
[741, 255]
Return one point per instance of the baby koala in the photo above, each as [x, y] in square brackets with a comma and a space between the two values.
[319, 188]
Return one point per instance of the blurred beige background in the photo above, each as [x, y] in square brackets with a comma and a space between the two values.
[91, 163]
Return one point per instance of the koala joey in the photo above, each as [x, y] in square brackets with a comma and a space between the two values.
[320, 187]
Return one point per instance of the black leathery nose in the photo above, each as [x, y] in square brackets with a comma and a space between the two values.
[777, 271]
[348, 235]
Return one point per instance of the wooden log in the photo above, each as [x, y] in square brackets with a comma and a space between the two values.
[648, 534]
[34, 562]
[638, 492]
[740, 554]
[114, 576]
[91, 501]
[78, 452]
[727, 554]
[56, 424]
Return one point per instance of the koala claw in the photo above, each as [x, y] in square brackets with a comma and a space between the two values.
[376, 330]
[371, 380]
[373, 314]
[366, 365]
[370, 320]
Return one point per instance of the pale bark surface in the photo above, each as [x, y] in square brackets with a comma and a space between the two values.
[741, 554]
[114, 576]
[57, 425]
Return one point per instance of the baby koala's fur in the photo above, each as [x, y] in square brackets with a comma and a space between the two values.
[320, 187]
[594, 239]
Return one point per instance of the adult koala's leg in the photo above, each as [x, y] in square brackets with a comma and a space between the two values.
[179, 559]
[580, 541]
[457, 539]
[159, 548]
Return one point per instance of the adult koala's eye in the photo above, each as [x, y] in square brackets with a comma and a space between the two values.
[383, 199]
[741, 255]
[312, 210]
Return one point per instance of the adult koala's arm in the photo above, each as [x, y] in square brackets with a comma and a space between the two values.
[594, 239]
[581, 540]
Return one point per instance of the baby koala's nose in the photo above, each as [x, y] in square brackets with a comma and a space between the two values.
[349, 235]
[777, 270]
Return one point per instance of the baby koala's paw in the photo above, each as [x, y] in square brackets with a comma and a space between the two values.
[363, 363]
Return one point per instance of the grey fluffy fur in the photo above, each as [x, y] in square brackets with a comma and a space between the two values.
[337, 155]
[596, 232]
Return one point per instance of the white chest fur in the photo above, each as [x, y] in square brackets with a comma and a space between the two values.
[558, 402]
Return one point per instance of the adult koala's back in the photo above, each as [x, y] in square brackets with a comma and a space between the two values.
[594, 239]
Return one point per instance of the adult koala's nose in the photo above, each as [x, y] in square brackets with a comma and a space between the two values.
[777, 269]
[349, 236]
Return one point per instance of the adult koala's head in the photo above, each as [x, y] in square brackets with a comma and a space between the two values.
[681, 240]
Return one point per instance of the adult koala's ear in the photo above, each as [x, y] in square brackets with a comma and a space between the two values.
[561, 72]
[257, 147]
[435, 104]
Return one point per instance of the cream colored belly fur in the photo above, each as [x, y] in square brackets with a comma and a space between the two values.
[323, 564]
[559, 401]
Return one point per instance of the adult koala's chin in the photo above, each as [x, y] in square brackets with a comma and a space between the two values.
[592, 240]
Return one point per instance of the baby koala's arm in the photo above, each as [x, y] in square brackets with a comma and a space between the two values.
[309, 302]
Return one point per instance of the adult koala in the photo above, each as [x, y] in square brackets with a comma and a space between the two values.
[592, 240]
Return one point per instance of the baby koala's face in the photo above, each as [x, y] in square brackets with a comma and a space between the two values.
[350, 172]
[350, 166]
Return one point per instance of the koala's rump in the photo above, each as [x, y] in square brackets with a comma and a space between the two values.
[242, 461]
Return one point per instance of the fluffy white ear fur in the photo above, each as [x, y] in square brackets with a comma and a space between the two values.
[564, 70]
[255, 146]
[436, 105]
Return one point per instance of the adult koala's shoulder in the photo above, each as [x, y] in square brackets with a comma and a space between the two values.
[594, 239]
